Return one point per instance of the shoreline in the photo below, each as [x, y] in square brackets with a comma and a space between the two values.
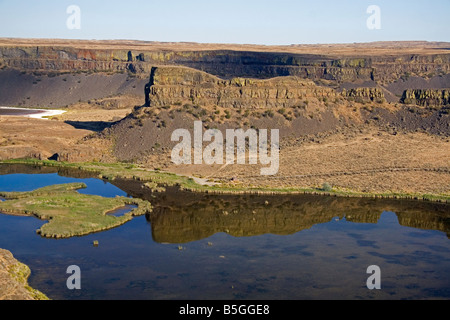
[112, 171]
[15, 275]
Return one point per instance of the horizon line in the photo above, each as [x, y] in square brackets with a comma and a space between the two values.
[224, 43]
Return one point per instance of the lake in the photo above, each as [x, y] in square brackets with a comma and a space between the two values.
[203, 246]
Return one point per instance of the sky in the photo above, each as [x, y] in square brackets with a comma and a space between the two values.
[274, 22]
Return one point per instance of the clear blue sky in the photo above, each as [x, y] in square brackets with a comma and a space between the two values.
[229, 21]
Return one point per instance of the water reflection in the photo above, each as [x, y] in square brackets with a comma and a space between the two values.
[35, 169]
[181, 217]
[244, 247]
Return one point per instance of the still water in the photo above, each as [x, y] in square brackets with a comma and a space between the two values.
[199, 246]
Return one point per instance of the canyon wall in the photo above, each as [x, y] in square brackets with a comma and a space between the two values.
[236, 78]
[180, 85]
[227, 64]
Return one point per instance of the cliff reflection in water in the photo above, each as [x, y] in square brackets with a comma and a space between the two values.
[36, 169]
[180, 217]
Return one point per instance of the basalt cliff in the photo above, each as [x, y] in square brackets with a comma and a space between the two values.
[347, 64]
[121, 67]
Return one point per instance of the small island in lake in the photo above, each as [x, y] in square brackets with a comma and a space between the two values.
[68, 212]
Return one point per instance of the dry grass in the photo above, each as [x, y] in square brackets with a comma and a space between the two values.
[369, 49]
[41, 138]
[368, 162]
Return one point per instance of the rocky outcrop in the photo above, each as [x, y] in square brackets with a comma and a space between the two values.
[69, 59]
[390, 68]
[179, 85]
[426, 97]
[20, 152]
[364, 94]
[13, 279]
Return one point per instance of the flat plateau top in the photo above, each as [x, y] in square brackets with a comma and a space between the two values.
[345, 49]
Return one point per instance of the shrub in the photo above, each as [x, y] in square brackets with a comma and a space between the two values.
[268, 113]
[326, 187]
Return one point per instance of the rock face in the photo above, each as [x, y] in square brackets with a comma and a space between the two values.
[426, 97]
[13, 279]
[62, 59]
[226, 64]
[178, 85]
[100, 71]
[365, 94]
